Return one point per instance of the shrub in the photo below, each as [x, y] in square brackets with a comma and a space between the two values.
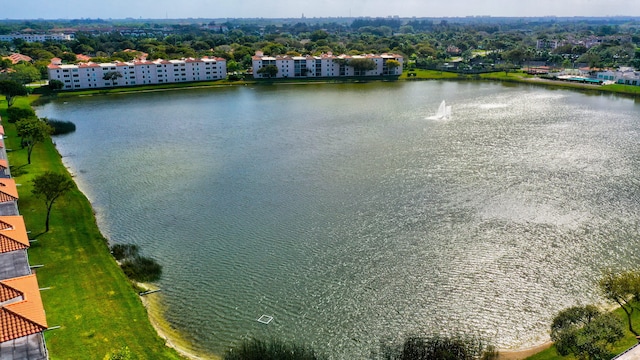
[122, 251]
[136, 267]
[61, 127]
[142, 269]
[271, 350]
[437, 347]
[17, 113]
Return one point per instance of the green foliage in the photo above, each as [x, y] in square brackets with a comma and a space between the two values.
[55, 84]
[32, 131]
[25, 73]
[392, 64]
[61, 127]
[123, 251]
[50, 186]
[271, 350]
[112, 76]
[586, 332]
[136, 267]
[142, 269]
[10, 89]
[437, 347]
[268, 71]
[622, 288]
[15, 113]
[360, 66]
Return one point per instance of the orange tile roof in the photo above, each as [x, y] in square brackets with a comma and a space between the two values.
[8, 190]
[13, 234]
[82, 57]
[4, 164]
[1, 130]
[25, 314]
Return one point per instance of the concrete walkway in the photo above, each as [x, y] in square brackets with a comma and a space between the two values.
[631, 354]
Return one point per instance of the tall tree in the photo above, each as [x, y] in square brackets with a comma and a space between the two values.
[269, 70]
[622, 288]
[50, 186]
[111, 76]
[361, 66]
[32, 131]
[10, 89]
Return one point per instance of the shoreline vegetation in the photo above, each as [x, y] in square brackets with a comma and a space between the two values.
[97, 308]
[417, 75]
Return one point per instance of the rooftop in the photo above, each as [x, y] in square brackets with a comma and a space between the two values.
[21, 310]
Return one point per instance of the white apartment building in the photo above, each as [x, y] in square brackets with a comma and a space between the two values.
[326, 65]
[92, 75]
[624, 75]
[37, 37]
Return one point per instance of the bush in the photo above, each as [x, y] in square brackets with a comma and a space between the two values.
[142, 269]
[136, 267]
[271, 350]
[61, 127]
[122, 251]
[438, 347]
[17, 113]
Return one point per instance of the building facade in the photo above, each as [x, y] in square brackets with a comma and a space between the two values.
[325, 65]
[93, 75]
[624, 76]
[37, 37]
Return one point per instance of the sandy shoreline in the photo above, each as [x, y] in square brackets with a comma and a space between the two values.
[173, 339]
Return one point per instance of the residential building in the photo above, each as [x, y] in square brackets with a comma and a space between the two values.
[624, 75]
[37, 37]
[14, 243]
[16, 58]
[22, 318]
[323, 66]
[91, 75]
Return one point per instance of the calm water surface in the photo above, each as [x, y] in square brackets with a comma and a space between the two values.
[350, 217]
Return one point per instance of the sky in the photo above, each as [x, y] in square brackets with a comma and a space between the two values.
[160, 9]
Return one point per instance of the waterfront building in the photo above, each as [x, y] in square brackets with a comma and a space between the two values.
[37, 37]
[91, 75]
[624, 75]
[324, 66]
[22, 318]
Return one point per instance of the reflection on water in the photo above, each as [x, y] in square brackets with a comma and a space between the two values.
[349, 217]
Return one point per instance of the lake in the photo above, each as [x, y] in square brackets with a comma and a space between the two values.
[351, 217]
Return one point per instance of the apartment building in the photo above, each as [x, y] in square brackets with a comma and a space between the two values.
[37, 37]
[142, 72]
[325, 65]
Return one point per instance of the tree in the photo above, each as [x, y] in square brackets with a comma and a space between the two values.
[268, 71]
[586, 332]
[32, 131]
[622, 288]
[111, 76]
[25, 73]
[16, 113]
[50, 186]
[10, 89]
[55, 84]
[362, 65]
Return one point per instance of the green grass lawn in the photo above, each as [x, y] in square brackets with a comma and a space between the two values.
[91, 300]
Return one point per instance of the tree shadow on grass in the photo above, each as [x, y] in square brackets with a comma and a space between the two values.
[18, 170]
[36, 236]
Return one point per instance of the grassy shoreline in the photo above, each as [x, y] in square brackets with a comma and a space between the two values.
[96, 306]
